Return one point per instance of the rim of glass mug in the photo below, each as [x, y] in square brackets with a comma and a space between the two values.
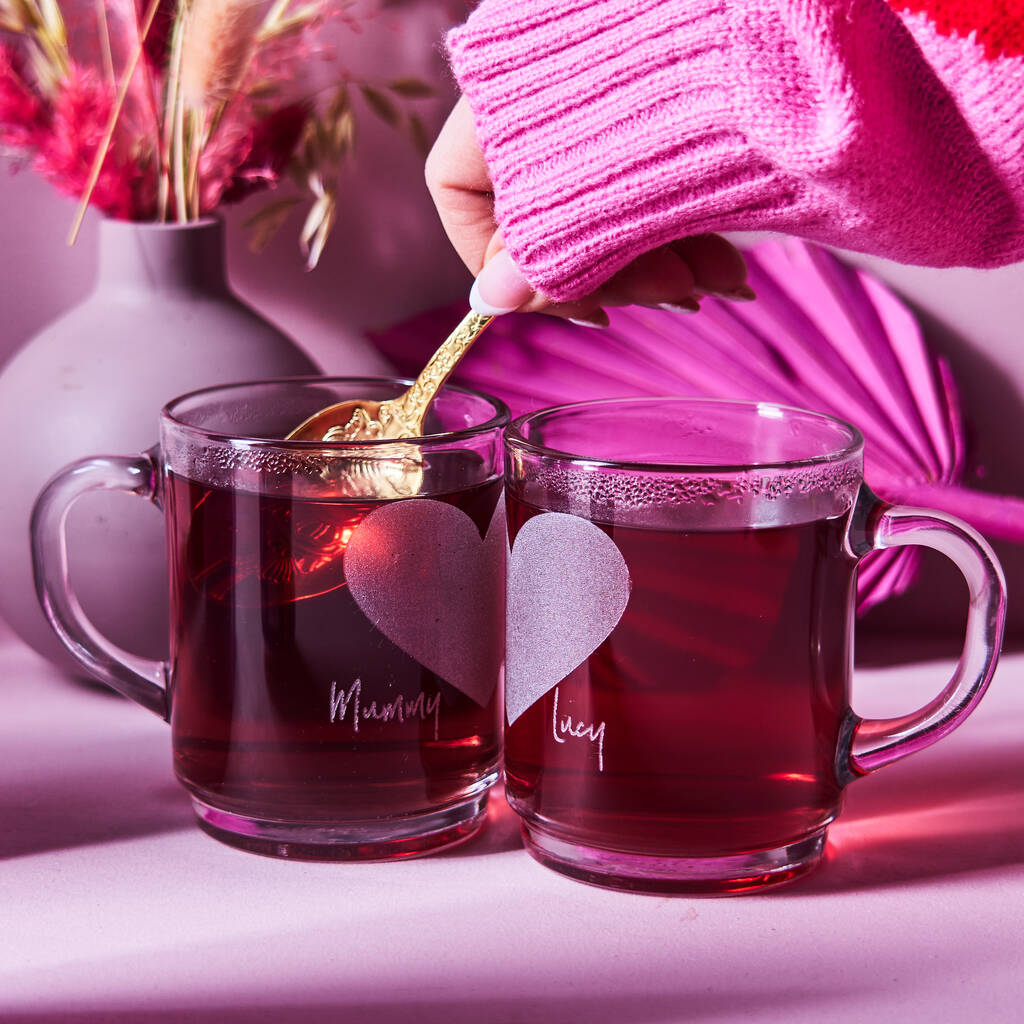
[771, 464]
[516, 437]
[172, 412]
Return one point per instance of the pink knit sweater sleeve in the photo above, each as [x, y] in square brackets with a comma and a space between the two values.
[610, 127]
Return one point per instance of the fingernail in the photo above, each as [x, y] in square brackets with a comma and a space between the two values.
[599, 318]
[744, 293]
[682, 306]
[500, 287]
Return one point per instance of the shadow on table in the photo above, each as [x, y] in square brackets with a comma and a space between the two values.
[946, 813]
[92, 796]
[501, 834]
[957, 812]
[546, 1008]
[121, 793]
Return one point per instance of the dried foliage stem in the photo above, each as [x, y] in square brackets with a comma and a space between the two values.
[159, 147]
[53, 33]
[198, 137]
[178, 159]
[170, 108]
[115, 113]
[103, 30]
[42, 26]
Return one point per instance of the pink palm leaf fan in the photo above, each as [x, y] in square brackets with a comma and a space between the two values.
[822, 335]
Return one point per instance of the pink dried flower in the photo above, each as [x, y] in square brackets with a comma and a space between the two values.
[65, 153]
[221, 158]
[274, 138]
[23, 115]
[247, 155]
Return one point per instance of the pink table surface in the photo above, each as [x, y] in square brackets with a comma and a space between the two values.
[115, 907]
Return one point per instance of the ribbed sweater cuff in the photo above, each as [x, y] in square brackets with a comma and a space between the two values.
[608, 128]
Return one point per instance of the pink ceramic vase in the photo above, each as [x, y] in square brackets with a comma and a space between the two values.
[161, 320]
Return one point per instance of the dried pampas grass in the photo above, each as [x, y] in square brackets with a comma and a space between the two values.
[217, 47]
[218, 39]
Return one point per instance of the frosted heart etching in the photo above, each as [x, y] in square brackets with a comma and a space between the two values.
[423, 576]
[568, 586]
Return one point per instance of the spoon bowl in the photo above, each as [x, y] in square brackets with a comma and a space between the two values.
[361, 419]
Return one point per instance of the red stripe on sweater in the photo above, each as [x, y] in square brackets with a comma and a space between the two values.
[998, 23]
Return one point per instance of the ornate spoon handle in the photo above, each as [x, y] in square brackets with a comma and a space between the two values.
[362, 419]
[409, 410]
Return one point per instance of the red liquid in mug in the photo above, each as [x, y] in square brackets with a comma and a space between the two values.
[267, 646]
[706, 724]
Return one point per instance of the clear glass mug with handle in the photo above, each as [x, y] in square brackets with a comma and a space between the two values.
[335, 616]
[680, 608]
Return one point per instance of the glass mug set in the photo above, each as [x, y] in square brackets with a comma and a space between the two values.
[667, 586]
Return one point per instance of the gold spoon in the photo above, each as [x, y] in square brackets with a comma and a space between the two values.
[361, 419]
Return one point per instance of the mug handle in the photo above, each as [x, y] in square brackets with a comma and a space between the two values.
[869, 744]
[141, 679]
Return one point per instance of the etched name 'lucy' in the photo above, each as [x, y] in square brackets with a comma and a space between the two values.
[398, 709]
[578, 730]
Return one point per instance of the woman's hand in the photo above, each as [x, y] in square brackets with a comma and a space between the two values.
[673, 276]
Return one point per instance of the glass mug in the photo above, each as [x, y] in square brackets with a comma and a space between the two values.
[336, 616]
[681, 593]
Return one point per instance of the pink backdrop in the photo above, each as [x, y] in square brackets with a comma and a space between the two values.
[389, 259]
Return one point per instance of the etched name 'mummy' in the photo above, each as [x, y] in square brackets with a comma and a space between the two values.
[398, 709]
